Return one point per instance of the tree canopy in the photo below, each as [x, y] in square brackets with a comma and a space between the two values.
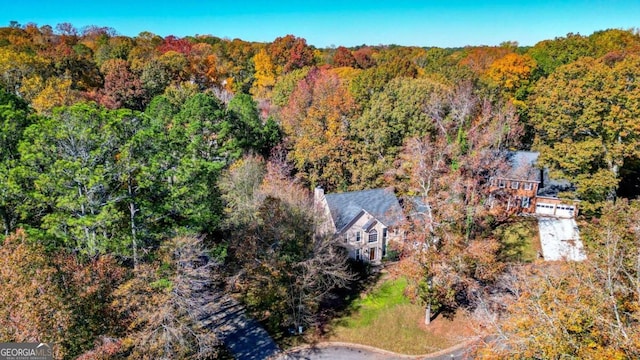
[143, 178]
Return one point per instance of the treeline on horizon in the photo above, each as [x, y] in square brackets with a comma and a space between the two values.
[49, 67]
[146, 178]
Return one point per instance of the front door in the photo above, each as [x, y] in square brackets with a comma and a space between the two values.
[372, 254]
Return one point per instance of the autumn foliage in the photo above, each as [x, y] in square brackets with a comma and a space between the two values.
[155, 174]
[31, 304]
[55, 297]
[315, 121]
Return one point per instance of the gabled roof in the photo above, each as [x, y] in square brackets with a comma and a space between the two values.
[369, 224]
[523, 166]
[380, 203]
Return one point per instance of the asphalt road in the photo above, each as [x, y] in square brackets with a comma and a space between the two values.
[355, 353]
[334, 353]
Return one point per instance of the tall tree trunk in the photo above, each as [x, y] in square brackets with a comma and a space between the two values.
[83, 214]
[7, 220]
[427, 314]
[132, 220]
[134, 240]
[615, 169]
[427, 311]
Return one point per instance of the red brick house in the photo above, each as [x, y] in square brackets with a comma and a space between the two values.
[524, 188]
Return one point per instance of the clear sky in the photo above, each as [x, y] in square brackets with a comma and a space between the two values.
[351, 22]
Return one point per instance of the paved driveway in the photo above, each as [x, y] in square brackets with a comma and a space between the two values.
[242, 335]
[560, 239]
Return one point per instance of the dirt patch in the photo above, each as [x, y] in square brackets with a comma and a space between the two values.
[458, 328]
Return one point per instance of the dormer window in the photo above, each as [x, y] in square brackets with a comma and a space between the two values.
[528, 186]
[502, 183]
[515, 185]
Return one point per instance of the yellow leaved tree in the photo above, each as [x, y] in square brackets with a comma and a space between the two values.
[265, 76]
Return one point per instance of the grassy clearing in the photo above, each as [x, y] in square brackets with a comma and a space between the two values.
[387, 295]
[386, 319]
[520, 240]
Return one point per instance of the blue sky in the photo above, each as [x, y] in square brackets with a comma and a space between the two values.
[355, 22]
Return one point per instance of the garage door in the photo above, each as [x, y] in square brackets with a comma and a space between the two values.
[545, 209]
[565, 211]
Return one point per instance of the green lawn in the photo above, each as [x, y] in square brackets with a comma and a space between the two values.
[386, 319]
[520, 240]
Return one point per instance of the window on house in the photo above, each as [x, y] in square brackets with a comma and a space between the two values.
[346, 237]
[373, 236]
[528, 186]
[515, 185]
[526, 201]
[384, 234]
[493, 181]
[502, 183]
[358, 235]
[357, 254]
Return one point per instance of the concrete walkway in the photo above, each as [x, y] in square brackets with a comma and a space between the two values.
[242, 335]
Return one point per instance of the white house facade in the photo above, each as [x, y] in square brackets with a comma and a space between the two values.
[364, 221]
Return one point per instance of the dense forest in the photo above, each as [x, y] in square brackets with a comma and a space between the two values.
[142, 179]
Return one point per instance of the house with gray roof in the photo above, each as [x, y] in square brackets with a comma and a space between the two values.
[525, 188]
[365, 221]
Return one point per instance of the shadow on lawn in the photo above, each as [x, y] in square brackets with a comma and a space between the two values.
[517, 240]
[340, 304]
